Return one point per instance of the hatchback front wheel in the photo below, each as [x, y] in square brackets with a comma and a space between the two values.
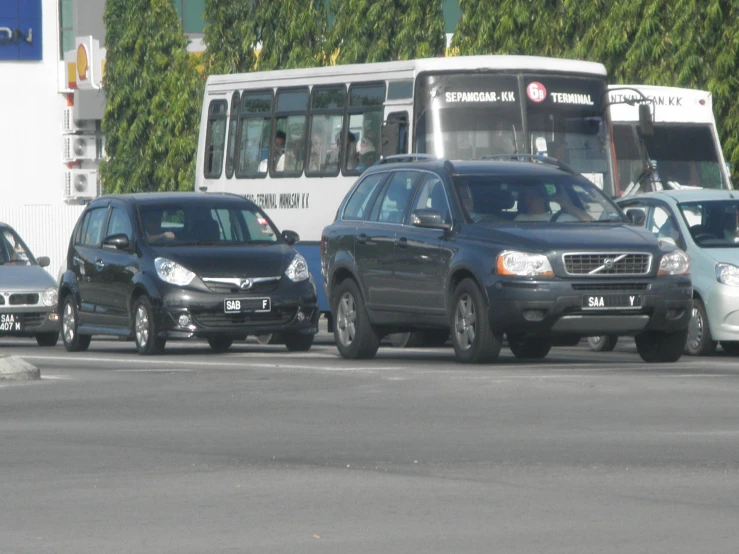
[144, 328]
[73, 341]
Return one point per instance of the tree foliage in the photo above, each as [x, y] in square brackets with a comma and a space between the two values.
[231, 34]
[153, 103]
[292, 33]
[385, 30]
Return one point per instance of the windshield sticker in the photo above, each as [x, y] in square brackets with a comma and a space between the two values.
[505, 96]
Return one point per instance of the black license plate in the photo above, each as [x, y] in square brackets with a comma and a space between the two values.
[611, 301]
[10, 323]
[246, 305]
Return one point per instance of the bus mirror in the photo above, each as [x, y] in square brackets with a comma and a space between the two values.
[390, 138]
[645, 120]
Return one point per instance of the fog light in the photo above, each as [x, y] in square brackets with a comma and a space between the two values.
[184, 320]
[534, 315]
[53, 316]
[301, 316]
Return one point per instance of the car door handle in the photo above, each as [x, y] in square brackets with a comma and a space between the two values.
[99, 264]
[361, 238]
[402, 242]
[77, 261]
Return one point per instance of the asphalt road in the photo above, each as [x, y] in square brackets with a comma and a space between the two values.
[262, 450]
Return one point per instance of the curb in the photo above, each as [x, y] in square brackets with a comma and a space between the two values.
[13, 368]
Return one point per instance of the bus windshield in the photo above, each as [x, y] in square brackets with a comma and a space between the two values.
[471, 116]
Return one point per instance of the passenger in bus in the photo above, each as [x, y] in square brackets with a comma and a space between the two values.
[367, 154]
[278, 157]
[316, 151]
[352, 156]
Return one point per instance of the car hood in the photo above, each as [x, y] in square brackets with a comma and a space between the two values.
[24, 278]
[723, 255]
[564, 236]
[261, 260]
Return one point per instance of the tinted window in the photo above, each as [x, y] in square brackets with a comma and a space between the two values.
[255, 128]
[215, 139]
[12, 249]
[431, 195]
[119, 223]
[92, 233]
[397, 197]
[232, 130]
[360, 202]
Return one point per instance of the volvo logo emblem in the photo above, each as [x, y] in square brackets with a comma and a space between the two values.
[609, 263]
[245, 284]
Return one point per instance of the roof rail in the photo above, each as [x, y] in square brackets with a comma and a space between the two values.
[534, 158]
[408, 158]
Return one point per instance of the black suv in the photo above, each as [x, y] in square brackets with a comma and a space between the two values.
[521, 246]
[159, 266]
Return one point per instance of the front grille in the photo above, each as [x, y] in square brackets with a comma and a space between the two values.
[607, 263]
[597, 287]
[275, 317]
[23, 299]
[261, 285]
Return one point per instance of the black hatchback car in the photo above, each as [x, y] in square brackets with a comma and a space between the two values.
[160, 266]
[523, 247]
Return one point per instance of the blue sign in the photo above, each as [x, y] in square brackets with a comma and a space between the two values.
[20, 30]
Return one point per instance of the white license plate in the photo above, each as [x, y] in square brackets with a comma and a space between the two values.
[246, 305]
[10, 323]
[611, 301]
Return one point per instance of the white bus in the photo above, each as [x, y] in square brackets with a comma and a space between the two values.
[684, 144]
[294, 141]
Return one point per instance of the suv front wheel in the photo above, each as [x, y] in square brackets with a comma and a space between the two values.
[661, 347]
[144, 328]
[353, 332]
[474, 341]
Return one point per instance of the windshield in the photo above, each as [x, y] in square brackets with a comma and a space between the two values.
[178, 224]
[470, 116]
[13, 250]
[534, 199]
[686, 155]
[713, 224]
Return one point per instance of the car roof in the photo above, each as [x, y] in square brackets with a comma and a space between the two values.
[143, 198]
[693, 195]
[476, 167]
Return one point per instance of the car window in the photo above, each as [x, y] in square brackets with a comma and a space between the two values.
[92, 232]
[663, 226]
[713, 223]
[119, 223]
[359, 203]
[397, 197]
[12, 249]
[431, 195]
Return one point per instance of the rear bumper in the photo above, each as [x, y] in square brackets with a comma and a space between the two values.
[556, 307]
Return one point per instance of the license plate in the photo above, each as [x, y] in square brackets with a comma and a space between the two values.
[611, 301]
[242, 305]
[10, 323]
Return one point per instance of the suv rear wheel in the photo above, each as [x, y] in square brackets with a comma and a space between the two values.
[354, 335]
[144, 328]
[73, 341]
[660, 347]
[474, 341]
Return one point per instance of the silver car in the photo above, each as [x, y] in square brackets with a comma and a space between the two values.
[28, 294]
[705, 224]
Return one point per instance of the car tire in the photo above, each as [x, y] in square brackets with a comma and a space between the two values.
[144, 328]
[220, 344]
[73, 341]
[298, 342]
[47, 339]
[269, 338]
[731, 347]
[473, 339]
[661, 347]
[413, 339]
[354, 335]
[603, 343]
[700, 342]
[529, 348]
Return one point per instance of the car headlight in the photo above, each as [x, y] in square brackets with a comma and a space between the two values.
[298, 269]
[50, 296]
[523, 264]
[674, 263]
[172, 272]
[728, 274]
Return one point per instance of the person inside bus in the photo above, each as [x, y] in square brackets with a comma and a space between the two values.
[278, 156]
[367, 154]
[152, 223]
[352, 157]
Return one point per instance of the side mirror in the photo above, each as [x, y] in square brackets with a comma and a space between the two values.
[429, 219]
[43, 261]
[636, 216]
[119, 241]
[291, 237]
[390, 137]
[645, 120]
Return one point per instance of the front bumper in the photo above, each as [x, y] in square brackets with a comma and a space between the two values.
[722, 308]
[294, 309]
[555, 307]
[28, 321]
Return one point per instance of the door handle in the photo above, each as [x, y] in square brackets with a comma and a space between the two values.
[362, 238]
[402, 242]
[99, 264]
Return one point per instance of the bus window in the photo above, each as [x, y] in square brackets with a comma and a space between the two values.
[327, 115]
[255, 128]
[232, 128]
[215, 139]
[365, 122]
[291, 118]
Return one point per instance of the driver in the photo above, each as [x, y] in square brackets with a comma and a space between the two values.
[152, 223]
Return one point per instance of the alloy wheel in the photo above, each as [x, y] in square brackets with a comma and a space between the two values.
[142, 326]
[68, 322]
[346, 320]
[695, 329]
[464, 322]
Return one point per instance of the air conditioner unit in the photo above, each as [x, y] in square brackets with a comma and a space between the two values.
[80, 147]
[70, 125]
[81, 183]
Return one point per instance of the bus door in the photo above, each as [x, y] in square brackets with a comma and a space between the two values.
[398, 113]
